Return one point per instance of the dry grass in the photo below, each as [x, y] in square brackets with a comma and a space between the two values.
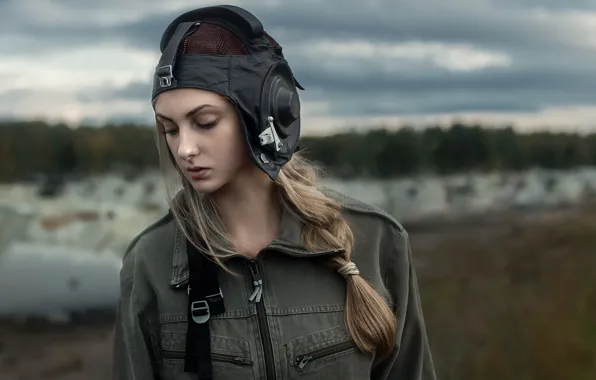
[519, 304]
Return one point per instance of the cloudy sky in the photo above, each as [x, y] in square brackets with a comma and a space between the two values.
[528, 62]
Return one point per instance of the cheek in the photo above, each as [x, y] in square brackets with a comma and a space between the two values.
[232, 146]
[238, 150]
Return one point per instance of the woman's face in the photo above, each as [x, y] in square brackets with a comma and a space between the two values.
[204, 135]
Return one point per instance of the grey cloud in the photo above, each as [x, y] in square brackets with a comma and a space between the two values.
[549, 68]
[515, 89]
[10, 99]
[434, 104]
[501, 28]
[135, 91]
[489, 30]
[508, 30]
[142, 119]
[539, 79]
[551, 4]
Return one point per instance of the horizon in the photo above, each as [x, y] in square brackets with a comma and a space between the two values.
[417, 126]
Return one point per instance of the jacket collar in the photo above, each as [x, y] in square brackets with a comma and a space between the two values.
[289, 242]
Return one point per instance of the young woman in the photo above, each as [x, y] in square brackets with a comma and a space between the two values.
[304, 283]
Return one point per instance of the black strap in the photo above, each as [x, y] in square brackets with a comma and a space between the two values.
[205, 299]
[165, 68]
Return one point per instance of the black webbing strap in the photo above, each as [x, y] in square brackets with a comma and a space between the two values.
[165, 68]
[205, 299]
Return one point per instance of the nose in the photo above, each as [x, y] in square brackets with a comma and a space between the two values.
[188, 146]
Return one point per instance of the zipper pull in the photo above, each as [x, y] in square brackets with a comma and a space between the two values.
[257, 293]
[301, 362]
[257, 283]
[239, 360]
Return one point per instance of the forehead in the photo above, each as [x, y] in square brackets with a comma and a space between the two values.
[176, 103]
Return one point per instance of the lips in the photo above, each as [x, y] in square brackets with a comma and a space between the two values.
[196, 168]
[198, 172]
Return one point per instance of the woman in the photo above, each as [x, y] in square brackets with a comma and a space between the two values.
[313, 284]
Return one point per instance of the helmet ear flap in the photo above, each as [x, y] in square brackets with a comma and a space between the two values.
[280, 109]
[286, 109]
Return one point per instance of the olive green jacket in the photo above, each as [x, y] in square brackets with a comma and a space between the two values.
[296, 331]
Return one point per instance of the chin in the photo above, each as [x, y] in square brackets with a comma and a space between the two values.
[206, 187]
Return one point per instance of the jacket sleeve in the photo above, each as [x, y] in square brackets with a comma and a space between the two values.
[132, 359]
[412, 359]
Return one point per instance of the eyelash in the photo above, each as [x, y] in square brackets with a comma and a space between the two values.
[202, 126]
[208, 125]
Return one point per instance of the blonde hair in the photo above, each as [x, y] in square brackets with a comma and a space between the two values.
[369, 319]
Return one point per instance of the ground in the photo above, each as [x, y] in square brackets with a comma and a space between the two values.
[506, 296]
[52, 352]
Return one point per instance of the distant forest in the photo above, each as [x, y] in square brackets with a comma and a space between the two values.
[28, 149]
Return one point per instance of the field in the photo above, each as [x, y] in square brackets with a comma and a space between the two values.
[513, 302]
[508, 296]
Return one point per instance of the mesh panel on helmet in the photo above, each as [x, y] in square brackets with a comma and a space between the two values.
[214, 40]
[272, 42]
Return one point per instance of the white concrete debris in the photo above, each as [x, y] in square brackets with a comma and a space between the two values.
[419, 197]
[63, 253]
[372, 192]
[411, 198]
[53, 282]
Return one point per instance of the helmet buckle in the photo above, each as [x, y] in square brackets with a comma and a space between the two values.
[269, 136]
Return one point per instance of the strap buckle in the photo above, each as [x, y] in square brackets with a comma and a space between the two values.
[200, 311]
[165, 75]
[269, 136]
[217, 297]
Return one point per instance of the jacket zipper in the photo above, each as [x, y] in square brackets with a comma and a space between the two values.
[233, 359]
[257, 295]
[262, 318]
[301, 361]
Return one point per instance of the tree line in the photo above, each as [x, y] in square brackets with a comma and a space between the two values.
[28, 149]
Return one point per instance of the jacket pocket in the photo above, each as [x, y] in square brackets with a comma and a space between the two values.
[329, 354]
[231, 357]
[216, 358]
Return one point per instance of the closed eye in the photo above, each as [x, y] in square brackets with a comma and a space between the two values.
[207, 125]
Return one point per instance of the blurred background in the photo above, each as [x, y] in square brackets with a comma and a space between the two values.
[471, 121]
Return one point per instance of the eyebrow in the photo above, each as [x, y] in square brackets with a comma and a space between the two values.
[189, 114]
